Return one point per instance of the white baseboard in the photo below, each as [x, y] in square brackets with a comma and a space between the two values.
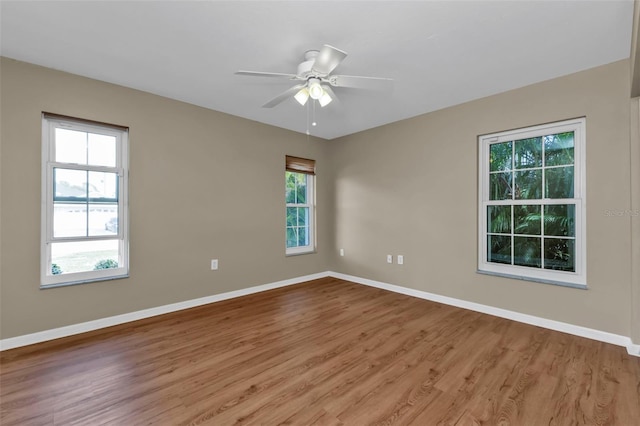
[56, 333]
[576, 330]
[70, 330]
[633, 349]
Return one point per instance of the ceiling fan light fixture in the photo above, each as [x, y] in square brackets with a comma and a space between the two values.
[302, 96]
[325, 99]
[315, 89]
[315, 79]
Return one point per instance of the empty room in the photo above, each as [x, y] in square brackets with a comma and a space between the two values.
[320, 213]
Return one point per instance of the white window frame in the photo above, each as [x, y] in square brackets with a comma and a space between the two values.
[49, 124]
[576, 279]
[310, 204]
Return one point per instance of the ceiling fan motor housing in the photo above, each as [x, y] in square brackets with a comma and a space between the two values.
[304, 69]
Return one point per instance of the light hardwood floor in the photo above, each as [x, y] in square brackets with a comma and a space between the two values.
[326, 352]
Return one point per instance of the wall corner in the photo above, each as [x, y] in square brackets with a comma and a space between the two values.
[635, 51]
[634, 154]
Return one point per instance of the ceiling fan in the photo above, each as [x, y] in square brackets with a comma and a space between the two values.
[316, 78]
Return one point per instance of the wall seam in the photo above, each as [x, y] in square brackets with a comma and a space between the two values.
[634, 217]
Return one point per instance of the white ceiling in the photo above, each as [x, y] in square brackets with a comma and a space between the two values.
[439, 53]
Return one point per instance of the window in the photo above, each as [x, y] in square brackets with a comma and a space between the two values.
[299, 195]
[84, 201]
[531, 212]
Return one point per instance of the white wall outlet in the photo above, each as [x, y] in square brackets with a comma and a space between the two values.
[389, 258]
[214, 264]
[341, 252]
[400, 259]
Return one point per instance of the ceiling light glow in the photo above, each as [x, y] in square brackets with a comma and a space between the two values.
[325, 99]
[302, 96]
[315, 89]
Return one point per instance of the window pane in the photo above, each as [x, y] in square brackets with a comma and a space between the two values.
[301, 188]
[70, 184]
[84, 256]
[528, 153]
[303, 239]
[103, 219]
[499, 249]
[103, 185]
[559, 254]
[500, 186]
[111, 225]
[296, 188]
[527, 251]
[559, 220]
[558, 149]
[303, 216]
[292, 236]
[102, 150]
[500, 156]
[292, 216]
[526, 220]
[528, 184]
[71, 146]
[290, 188]
[559, 182]
[69, 220]
[499, 219]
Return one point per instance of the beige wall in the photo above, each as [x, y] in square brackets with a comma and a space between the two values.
[208, 185]
[411, 188]
[203, 185]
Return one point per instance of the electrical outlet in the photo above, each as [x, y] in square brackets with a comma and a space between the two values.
[389, 258]
[400, 259]
[214, 264]
[341, 252]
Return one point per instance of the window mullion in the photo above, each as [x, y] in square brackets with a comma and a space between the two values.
[512, 236]
[82, 238]
[87, 202]
[73, 166]
[542, 229]
[49, 204]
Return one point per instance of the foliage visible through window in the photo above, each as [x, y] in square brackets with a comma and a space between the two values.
[299, 198]
[530, 202]
[298, 210]
[84, 182]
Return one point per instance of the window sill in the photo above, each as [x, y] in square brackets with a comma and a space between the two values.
[532, 279]
[300, 253]
[80, 282]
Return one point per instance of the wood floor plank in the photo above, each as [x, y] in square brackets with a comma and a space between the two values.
[326, 352]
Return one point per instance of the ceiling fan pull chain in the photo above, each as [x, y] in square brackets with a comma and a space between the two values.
[308, 133]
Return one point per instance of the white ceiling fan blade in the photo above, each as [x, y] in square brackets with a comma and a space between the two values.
[358, 82]
[267, 74]
[328, 59]
[283, 96]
